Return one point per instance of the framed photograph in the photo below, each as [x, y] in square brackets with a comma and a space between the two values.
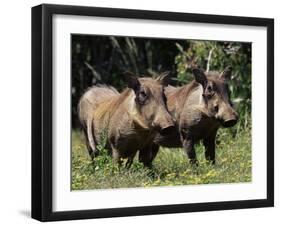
[147, 112]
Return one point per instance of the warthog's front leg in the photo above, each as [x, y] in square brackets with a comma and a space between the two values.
[148, 154]
[210, 149]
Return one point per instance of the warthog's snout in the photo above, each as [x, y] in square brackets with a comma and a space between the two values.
[230, 122]
[167, 130]
[164, 124]
[230, 117]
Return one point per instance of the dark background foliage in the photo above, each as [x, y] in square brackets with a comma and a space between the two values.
[104, 59]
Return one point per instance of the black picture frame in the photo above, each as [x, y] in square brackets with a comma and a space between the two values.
[42, 84]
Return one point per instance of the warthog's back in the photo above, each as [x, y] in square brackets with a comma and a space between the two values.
[92, 98]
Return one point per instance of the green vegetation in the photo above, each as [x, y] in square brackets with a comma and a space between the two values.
[170, 166]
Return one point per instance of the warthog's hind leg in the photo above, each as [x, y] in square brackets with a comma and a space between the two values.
[90, 143]
[116, 156]
[188, 145]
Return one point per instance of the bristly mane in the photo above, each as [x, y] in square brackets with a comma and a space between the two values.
[106, 87]
[110, 106]
[180, 95]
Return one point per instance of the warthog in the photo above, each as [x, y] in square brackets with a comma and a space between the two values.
[198, 109]
[125, 121]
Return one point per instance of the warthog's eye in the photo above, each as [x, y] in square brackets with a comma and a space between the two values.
[142, 97]
[216, 108]
[143, 94]
[209, 92]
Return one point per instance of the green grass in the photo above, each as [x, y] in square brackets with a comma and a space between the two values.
[233, 165]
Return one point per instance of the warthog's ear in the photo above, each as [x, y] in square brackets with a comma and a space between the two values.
[200, 76]
[226, 74]
[164, 78]
[132, 81]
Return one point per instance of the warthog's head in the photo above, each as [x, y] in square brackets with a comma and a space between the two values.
[150, 101]
[216, 95]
